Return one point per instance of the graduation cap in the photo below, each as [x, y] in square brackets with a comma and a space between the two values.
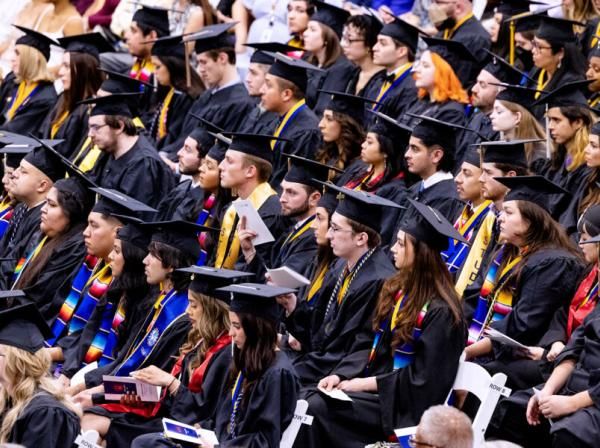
[179, 234]
[403, 32]
[262, 56]
[202, 133]
[473, 157]
[115, 104]
[348, 104]
[256, 299]
[257, 145]
[431, 227]
[16, 146]
[452, 51]
[560, 31]
[80, 196]
[47, 162]
[513, 7]
[219, 148]
[503, 70]
[386, 126]
[133, 232]
[36, 40]
[154, 18]
[505, 152]
[212, 37]
[89, 43]
[328, 200]
[23, 326]
[169, 46]
[360, 206]
[524, 96]
[569, 94]
[120, 83]
[443, 133]
[113, 202]
[535, 189]
[293, 70]
[330, 15]
[590, 221]
[206, 280]
[307, 172]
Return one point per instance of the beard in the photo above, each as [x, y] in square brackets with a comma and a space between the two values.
[295, 213]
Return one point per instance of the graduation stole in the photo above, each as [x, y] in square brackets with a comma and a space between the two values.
[594, 100]
[228, 247]
[297, 233]
[479, 244]
[388, 86]
[468, 220]
[58, 123]
[286, 120]
[142, 70]
[202, 219]
[103, 345]
[541, 84]
[85, 275]
[24, 92]
[6, 213]
[501, 304]
[317, 284]
[168, 308]
[448, 33]
[584, 301]
[24, 262]
[162, 115]
[236, 398]
[405, 353]
[594, 40]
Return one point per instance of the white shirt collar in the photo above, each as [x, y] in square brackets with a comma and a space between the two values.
[436, 178]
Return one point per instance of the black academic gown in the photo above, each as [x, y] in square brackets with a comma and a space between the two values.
[332, 78]
[482, 125]
[139, 173]
[442, 196]
[179, 201]
[45, 423]
[399, 99]
[587, 37]
[450, 112]
[30, 116]
[560, 78]
[259, 121]
[402, 395]
[326, 340]
[226, 108]
[73, 131]
[178, 109]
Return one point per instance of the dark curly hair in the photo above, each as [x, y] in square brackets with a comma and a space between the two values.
[347, 147]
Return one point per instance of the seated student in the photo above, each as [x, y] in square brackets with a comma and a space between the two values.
[347, 300]
[416, 336]
[533, 273]
[174, 95]
[589, 194]
[299, 12]
[162, 324]
[202, 365]
[225, 103]
[440, 93]
[322, 41]
[475, 223]
[593, 73]
[296, 247]
[27, 94]
[80, 76]
[35, 412]
[246, 168]
[132, 165]
[283, 94]
[259, 396]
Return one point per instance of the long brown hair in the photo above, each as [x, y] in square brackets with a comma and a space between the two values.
[427, 278]
[348, 145]
[592, 191]
[333, 50]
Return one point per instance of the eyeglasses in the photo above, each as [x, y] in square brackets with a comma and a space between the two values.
[537, 46]
[336, 229]
[414, 443]
[351, 41]
[96, 127]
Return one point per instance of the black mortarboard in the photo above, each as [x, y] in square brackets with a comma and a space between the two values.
[219, 148]
[47, 162]
[473, 157]
[330, 15]
[386, 126]
[182, 235]
[212, 37]
[80, 196]
[169, 46]
[403, 32]
[431, 227]
[113, 202]
[595, 127]
[307, 172]
[202, 133]
[524, 96]
[115, 104]
[293, 70]
[206, 280]
[154, 18]
[569, 94]
[89, 43]
[503, 70]
[328, 200]
[513, 7]
[432, 129]
[257, 145]
[133, 232]
[120, 83]
[17, 146]
[511, 152]
[452, 51]
[256, 299]
[23, 326]
[557, 30]
[535, 189]
[262, 56]
[36, 40]
[348, 104]
[590, 221]
[360, 206]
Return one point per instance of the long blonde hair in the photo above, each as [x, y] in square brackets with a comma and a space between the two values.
[27, 374]
[32, 65]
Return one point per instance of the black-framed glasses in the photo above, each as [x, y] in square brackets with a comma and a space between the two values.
[414, 443]
[539, 46]
[350, 41]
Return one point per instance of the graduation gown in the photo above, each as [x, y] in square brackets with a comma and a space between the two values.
[333, 78]
[402, 395]
[442, 196]
[560, 78]
[31, 114]
[226, 108]
[45, 423]
[399, 98]
[326, 340]
[139, 173]
[180, 201]
[259, 121]
[450, 112]
[481, 124]
[176, 113]
[73, 131]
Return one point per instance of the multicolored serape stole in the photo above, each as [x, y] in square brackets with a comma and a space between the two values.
[103, 345]
[23, 262]
[6, 213]
[163, 113]
[203, 217]
[142, 70]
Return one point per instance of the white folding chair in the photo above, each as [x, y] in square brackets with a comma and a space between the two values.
[300, 418]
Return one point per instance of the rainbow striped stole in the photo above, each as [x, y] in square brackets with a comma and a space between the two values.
[142, 70]
[103, 345]
[23, 262]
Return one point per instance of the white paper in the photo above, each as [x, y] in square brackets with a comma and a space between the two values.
[114, 386]
[254, 222]
[79, 377]
[287, 278]
[187, 433]
[537, 393]
[497, 336]
[336, 394]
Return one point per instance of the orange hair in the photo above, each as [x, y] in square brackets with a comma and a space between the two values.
[446, 85]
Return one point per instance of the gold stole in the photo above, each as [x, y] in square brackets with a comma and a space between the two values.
[58, 123]
[23, 92]
[450, 32]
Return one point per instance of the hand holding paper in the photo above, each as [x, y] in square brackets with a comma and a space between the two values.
[244, 209]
